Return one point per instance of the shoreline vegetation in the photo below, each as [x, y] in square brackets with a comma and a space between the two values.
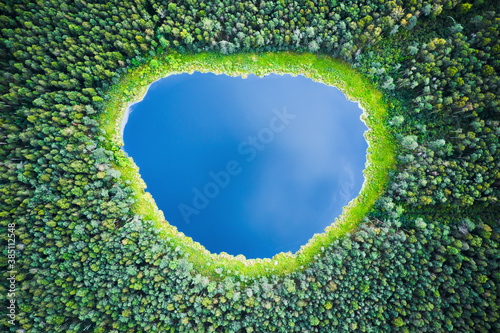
[334, 72]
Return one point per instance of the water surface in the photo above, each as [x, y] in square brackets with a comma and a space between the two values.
[251, 166]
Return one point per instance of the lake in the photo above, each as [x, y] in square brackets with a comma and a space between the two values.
[251, 166]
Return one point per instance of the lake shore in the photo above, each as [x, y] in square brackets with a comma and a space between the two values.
[334, 72]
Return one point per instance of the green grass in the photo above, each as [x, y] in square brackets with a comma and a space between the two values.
[380, 159]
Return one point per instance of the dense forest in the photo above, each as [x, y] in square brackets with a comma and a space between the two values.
[426, 258]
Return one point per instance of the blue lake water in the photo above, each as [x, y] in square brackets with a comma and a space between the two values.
[251, 166]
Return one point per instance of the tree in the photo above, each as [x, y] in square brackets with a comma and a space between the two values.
[410, 142]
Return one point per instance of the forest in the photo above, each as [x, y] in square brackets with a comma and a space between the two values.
[79, 256]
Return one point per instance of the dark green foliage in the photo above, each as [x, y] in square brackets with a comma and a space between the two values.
[86, 262]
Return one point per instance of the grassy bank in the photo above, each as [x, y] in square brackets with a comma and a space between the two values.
[380, 159]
